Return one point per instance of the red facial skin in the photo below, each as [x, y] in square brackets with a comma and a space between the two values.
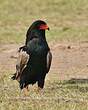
[43, 27]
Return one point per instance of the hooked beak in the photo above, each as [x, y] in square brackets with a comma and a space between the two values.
[44, 27]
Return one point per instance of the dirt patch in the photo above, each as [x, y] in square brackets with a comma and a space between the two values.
[70, 60]
[7, 64]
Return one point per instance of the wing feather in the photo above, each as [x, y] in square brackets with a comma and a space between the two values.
[49, 60]
[22, 61]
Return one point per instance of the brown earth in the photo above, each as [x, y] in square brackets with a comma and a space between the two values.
[70, 60]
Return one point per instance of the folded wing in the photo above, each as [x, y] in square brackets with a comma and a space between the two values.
[21, 63]
[49, 59]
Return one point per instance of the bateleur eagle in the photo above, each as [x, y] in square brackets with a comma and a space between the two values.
[35, 58]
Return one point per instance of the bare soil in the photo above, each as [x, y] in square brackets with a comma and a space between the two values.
[70, 60]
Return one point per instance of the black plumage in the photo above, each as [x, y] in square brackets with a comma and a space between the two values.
[39, 62]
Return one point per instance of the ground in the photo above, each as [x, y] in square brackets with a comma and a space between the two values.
[65, 84]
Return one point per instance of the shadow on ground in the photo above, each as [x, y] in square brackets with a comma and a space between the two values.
[76, 81]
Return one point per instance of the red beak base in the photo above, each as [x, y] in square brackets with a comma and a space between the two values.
[43, 27]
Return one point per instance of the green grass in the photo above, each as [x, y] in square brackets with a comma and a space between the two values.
[67, 19]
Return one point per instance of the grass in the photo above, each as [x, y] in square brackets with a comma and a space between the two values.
[68, 21]
[65, 95]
